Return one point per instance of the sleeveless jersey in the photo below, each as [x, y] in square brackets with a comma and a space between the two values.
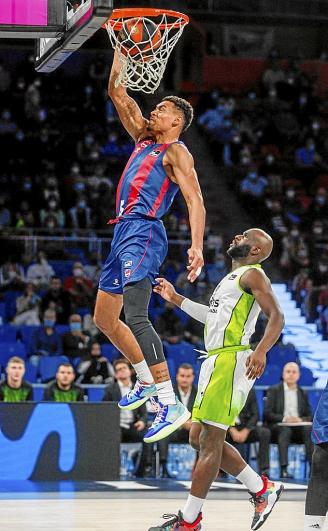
[232, 314]
[144, 187]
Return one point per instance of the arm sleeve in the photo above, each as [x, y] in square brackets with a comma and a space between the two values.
[195, 310]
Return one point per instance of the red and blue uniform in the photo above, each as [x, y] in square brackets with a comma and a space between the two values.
[144, 194]
[320, 421]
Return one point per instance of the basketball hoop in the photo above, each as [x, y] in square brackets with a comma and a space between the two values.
[143, 63]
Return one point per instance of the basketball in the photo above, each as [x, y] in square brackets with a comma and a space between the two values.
[138, 37]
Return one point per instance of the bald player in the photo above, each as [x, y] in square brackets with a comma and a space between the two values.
[228, 373]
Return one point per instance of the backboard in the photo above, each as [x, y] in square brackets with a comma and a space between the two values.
[59, 26]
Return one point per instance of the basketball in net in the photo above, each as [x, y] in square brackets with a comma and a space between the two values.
[139, 37]
[144, 39]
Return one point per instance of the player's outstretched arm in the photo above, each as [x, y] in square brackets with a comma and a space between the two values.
[166, 290]
[184, 174]
[128, 110]
[259, 285]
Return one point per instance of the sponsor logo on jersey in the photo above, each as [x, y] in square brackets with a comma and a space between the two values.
[214, 304]
[128, 263]
[127, 273]
[232, 277]
[155, 153]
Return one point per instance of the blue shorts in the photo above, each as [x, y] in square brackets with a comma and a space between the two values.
[138, 249]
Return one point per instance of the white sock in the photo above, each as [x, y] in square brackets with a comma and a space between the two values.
[166, 393]
[252, 481]
[313, 522]
[192, 508]
[143, 373]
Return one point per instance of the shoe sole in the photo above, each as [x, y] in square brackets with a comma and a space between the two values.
[272, 500]
[135, 405]
[165, 432]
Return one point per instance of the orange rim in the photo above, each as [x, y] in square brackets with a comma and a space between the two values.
[145, 12]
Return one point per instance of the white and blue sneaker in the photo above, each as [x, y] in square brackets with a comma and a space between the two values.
[137, 396]
[168, 419]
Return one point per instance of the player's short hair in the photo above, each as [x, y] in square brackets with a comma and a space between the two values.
[183, 106]
[120, 361]
[186, 366]
[66, 364]
[16, 359]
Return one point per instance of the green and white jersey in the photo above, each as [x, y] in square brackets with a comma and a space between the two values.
[232, 313]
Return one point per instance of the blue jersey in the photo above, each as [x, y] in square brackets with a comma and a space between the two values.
[320, 421]
[144, 187]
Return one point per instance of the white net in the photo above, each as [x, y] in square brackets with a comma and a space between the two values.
[143, 63]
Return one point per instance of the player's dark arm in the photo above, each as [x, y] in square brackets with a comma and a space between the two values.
[128, 110]
[255, 282]
[184, 174]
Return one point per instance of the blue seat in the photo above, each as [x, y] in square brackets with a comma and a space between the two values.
[48, 366]
[9, 349]
[182, 352]
[110, 352]
[31, 372]
[62, 328]
[10, 297]
[2, 311]
[95, 394]
[8, 333]
[307, 377]
[171, 367]
[62, 268]
[26, 333]
[314, 397]
[260, 402]
[271, 376]
[279, 355]
[38, 393]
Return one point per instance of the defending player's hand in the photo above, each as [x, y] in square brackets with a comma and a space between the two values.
[255, 364]
[196, 262]
[165, 289]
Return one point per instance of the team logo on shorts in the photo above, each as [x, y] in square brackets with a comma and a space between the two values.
[155, 153]
[127, 273]
[116, 282]
[128, 263]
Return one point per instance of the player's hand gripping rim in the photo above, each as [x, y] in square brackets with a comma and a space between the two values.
[255, 364]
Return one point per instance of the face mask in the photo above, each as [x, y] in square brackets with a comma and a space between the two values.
[6, 115]
[27, 186]
[79, 187]
[82, 204]
[294, 233]
[75, 327]
[323, 268]
[183, 227]
[12, 274]
[269, 159]
[20, 136]
[317, 230]
[290, 194]
[49, 323]
[88, 140]
[52, 204]
[320, 199]
[75, 170]
[51, 225]
[252, 175]
[302, 101]
[77, 272]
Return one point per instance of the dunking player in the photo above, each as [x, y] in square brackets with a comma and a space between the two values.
[159, 165]
[228, 374]
[316, 505]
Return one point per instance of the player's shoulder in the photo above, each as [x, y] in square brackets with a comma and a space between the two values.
[253, 275]
[178, 149]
